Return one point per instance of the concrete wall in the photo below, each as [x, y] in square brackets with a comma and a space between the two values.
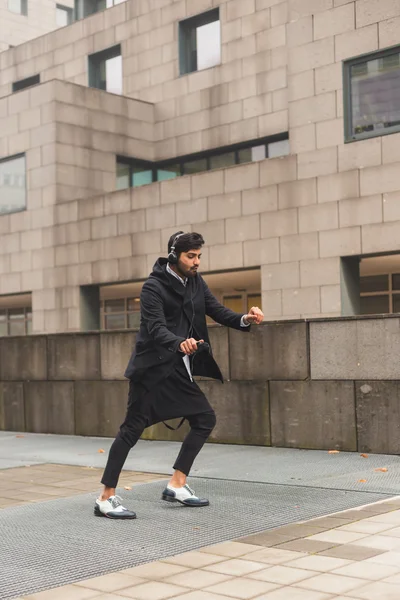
[277, 388]
[16, 29]
[295, 217]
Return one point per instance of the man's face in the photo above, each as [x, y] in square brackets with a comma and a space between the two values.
[189, 262]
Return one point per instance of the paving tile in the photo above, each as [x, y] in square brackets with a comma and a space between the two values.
[378, 591]
[392, 532]
[282, 575]
[365, 527]
[364, 570]
[331, 522]
[379, 508]
[197, 579]
[203, 595]
[111, 582]
[194, 560]
[106, 597]
[354, 514]
[67, 592]
[351, 552]
[394, 502]
[309, 546]
[242, 588]
[386, 558]
[230, 549]
[293, 593]
[331, 584]
[152, 590]
[319, 563]
[390, 517]
[156, 570]
[382, 542]
[298, 530]
[236, 566]
[337, 537]
[272, 556]
[338, 597]
[266, 539]
[394, 578]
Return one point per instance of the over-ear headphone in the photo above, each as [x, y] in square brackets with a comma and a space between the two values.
[172, 256]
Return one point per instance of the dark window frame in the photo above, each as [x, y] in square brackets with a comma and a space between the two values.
[207, 154]
[349, 136]
[23, 84]
[95, 60]
[186, 29]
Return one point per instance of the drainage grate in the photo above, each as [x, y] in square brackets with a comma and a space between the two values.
[60, 541]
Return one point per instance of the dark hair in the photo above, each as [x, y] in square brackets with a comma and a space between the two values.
[185, 242]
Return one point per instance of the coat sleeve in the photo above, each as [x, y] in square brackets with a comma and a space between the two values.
[221, 314]
[152, 310]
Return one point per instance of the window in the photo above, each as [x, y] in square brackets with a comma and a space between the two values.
[18, 6]
[12, 184]
[372, 95]
[131, 172]
[15, 321]
[380, 294]
[64, 15]
[120, 313]
[84, 8]
[105, 70]
[194, 166]
[123, 176]
[200, 42]
[141, 175]
[22, 84]
[168, 172]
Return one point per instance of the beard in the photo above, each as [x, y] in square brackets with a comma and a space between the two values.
[185, 271]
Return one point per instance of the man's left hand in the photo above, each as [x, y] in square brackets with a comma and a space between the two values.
[255, 316]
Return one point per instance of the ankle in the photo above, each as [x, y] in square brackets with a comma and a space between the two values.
[106, 494]
[177, 483]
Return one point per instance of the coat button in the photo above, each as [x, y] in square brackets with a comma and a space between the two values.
[160, 357]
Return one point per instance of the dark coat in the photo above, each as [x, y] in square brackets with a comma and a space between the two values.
[170, 313]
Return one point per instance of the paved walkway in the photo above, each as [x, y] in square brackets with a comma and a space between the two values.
[350, 555]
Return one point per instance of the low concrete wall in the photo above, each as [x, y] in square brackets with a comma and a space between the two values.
[320, 384]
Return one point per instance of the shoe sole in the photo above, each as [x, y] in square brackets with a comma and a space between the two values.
[170, 499]
[98, 513]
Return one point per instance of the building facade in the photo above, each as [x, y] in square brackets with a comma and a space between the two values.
[269, 126]
[23, 20]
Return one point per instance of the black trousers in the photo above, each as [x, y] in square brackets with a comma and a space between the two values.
[175, 396]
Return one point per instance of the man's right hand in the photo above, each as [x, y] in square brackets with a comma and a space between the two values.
[189, 346]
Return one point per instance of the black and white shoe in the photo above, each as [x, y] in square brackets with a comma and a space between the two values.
[184, 495]
[112, 509]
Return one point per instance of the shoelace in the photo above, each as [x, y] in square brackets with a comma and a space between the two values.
[189, 489]
[115, 501]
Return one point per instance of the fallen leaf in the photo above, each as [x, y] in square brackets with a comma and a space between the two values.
[364, 455]
[382, 470]
[127, 487]
[19, 436]
[100, 451]
[362, 481]
[333, 451]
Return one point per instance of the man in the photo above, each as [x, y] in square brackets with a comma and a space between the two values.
[174, 303]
